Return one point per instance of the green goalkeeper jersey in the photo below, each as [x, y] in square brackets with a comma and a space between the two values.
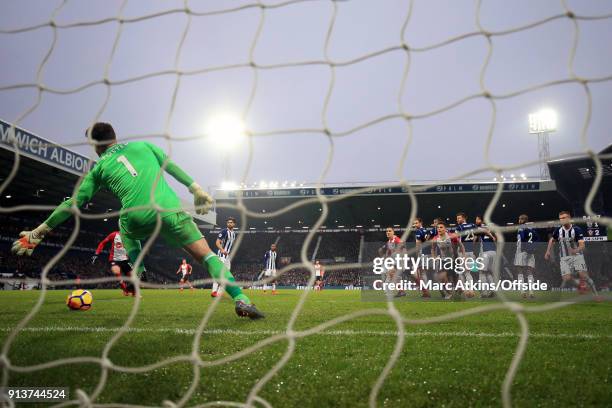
[130, 171]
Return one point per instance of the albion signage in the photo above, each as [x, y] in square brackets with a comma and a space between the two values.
[42, 149]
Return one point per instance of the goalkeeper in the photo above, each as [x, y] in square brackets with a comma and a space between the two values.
[130, 171]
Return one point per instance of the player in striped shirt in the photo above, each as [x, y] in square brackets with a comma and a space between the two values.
[487, 250]
[524, 258]
[465, 230]
[421, 235]
[319, 272]
[428, 247]
[571, 248]
[444, 245]
[431, 233]
[185, 270]
[224, 244]
[270, 265]
[392, 246]
[117, 259]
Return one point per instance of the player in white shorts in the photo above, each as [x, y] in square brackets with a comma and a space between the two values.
[185, 270]
[571, 249]
[270, 265]
[421, 235]
[524, 258]
[224, 243]
[318, 275]
[390, 249]
[444, 244]
[118, 260]
[487, 251]
[465, 230]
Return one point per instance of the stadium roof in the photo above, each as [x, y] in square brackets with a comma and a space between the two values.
[383, 206]
[575, 177]
[391, 206]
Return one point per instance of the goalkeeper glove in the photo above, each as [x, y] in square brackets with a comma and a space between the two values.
[202, 200]
[29, 240]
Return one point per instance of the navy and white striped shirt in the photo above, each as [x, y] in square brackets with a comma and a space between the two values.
[227, 237]
[568, 238]
[525, 239]
[270, 260]
[487, 243]
[466, 238]
[421, 235]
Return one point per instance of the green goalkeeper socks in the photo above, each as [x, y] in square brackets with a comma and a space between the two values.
[133, 249]
[216, 268]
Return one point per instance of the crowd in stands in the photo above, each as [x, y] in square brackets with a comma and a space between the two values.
[332, 248]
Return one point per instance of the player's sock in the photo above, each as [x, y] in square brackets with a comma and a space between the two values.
[520, 279]
[215, 286]
[482, 278]
[591, 284]
[582, 285]
[216, 268]
[265, 287]
[565, 283]
[530, 282]
[133, 248]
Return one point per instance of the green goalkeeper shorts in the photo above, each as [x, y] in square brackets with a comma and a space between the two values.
[178, 229]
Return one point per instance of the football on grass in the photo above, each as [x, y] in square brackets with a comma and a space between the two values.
[79, 300]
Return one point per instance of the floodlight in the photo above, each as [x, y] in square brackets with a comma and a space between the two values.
[227, 129]
[544, 121]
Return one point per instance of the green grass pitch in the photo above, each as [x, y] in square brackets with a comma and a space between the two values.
[458, 363]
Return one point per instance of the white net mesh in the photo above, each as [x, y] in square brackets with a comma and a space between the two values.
[402, 47]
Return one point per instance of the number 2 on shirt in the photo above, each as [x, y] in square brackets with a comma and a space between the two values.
[122, 159]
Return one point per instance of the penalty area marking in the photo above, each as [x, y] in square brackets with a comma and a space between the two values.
[389, 333]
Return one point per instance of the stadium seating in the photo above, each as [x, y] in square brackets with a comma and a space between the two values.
[334, 248]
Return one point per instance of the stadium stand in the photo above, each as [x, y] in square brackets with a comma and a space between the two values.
[353, 223]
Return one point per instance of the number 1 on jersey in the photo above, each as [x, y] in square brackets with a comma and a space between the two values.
[122, 159]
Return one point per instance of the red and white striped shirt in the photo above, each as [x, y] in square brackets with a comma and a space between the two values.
[393, 245]
[117, 251]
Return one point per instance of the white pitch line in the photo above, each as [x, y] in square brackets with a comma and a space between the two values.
[390, 333]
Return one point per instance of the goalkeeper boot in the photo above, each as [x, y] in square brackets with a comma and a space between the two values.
[248, 310]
